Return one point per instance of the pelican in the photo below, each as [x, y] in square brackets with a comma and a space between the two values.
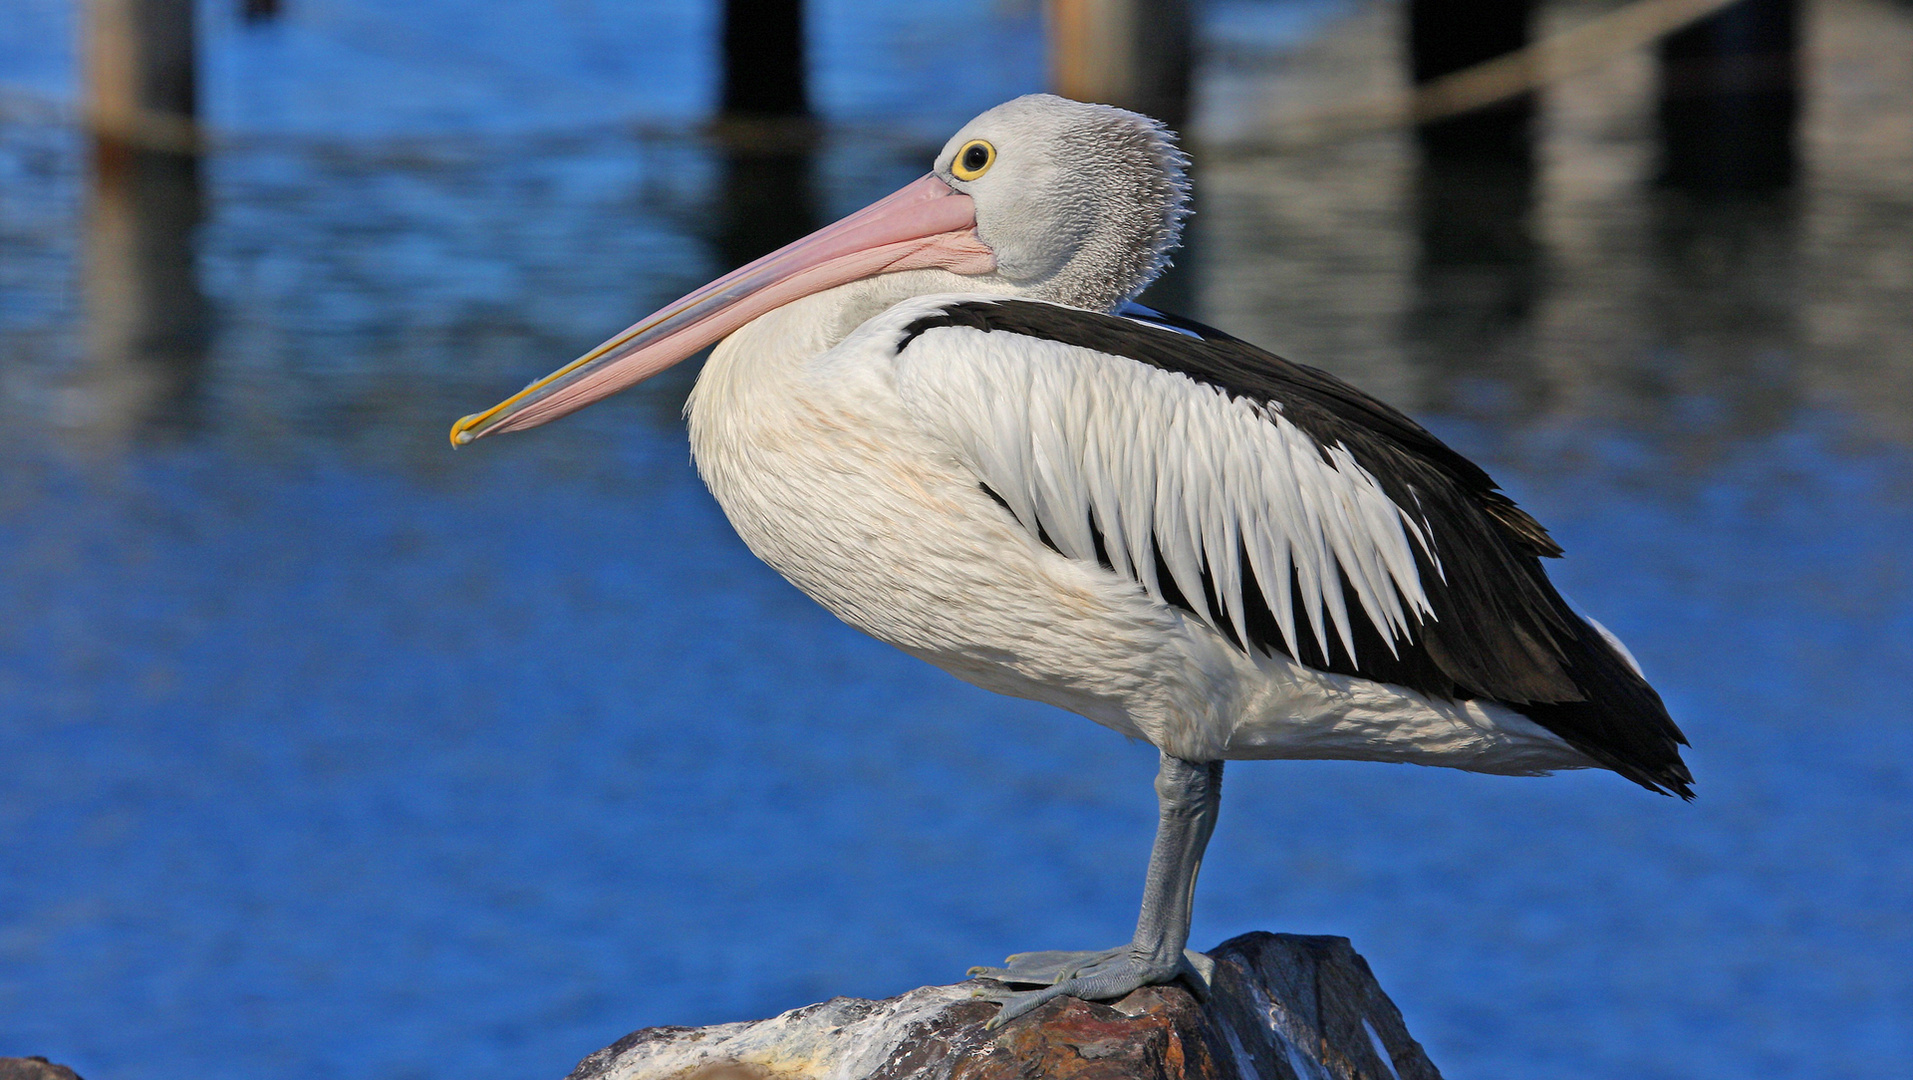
[946, 419]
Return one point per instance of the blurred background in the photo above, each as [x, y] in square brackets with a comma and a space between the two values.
[326, 751]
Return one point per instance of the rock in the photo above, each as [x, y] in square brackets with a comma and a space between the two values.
[1284, 1007]
[34, 1068]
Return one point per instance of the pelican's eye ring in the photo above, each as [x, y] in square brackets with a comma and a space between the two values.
[973, 160]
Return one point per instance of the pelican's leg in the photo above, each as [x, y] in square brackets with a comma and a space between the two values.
[1189, 793]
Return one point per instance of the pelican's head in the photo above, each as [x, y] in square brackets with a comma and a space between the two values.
[1080, 204]
[1041, 197]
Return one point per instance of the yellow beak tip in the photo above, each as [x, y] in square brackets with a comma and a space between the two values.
[462, 431]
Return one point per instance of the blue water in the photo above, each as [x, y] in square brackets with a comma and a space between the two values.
[327, 751]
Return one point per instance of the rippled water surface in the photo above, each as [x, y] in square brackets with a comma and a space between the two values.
[326, 751]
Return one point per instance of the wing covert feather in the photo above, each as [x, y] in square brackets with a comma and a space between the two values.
[1152, 467]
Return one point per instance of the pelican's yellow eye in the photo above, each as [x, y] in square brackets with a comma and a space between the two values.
[973, 160]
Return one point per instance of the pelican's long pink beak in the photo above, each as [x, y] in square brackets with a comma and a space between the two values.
[926, 224]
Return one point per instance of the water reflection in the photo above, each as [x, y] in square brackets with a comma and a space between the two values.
[1723, 310]
[1477, 268]
[766, 194]
[146, 318]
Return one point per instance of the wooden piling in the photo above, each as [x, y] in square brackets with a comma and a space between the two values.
[1130, 53]
[1446, 36]
[1729, 98]
[145, 314]
[763, 44]
[139, 68]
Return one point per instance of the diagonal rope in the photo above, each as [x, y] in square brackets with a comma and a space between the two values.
[1490, 82]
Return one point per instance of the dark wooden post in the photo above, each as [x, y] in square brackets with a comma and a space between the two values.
[1136, 55]
[1476, 271]
[1131, 53]
[144, 311]
[1445, 36]
[764, 58]
[1729, 98]
[766, 141]
[139, 62]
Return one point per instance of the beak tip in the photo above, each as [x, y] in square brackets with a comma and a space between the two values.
[462, 431]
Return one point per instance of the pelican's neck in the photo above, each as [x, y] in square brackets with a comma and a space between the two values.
[840, 311]
[760, 356]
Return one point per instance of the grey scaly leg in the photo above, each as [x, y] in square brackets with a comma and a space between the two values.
[1189, 793]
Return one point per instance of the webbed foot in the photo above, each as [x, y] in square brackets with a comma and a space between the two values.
[1103, 975]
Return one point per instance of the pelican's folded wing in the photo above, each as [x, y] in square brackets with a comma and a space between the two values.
[1288, 510]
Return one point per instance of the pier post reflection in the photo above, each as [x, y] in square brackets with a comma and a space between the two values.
[1446, 36]
[145, 313]
[764, 137]
[1477, 277]
[764, 198]
[766, 193]
[1723, 318]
